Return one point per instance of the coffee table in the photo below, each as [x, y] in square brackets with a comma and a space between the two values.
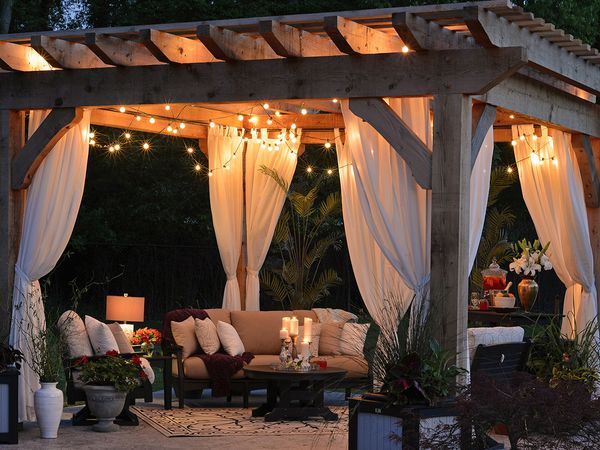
[294, 394]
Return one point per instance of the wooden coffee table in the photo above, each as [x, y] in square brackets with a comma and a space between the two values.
[294, 394]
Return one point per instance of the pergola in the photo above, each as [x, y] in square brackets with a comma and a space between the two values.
[482, 63]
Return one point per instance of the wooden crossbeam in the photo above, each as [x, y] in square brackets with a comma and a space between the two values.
[291, 42]
[170, 48]
[419, 34]
[483, 118]
[229, 45]
[469, 71]
[588, 162]
[490, 30]
[119, 52]
[43, 140]
[399, 135]
[15, 57]
[354, 38]
[64, 54]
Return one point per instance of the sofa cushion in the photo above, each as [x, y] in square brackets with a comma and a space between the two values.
[208, 338]
[230, 339]
[121, 338]
[194, 367]
[72, 330]
[491, 336]
[330, 342]
[101, 337]
[264, 360]
[327, 315]
[224, 315]
[179, 315]
[301, 314]
[184, 335]
[147, 368]
[353, 338]
[259, 330]
[356, 366]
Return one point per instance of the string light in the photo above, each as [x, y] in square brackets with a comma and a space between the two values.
[269, 121]
[122, 109]
[210, 173]
[509, 169]
[240, 117]
[167, 107]
[293, 126]
[169, 128]
[253, 119]
[304, 111]
[92, 135]
[197, 167]
[127, 135]
[522, 137]
[554, 161]
[405, 49]
[535, 159]
[152, 120]
[92, 142]
[190, 150]
[111, 149]
[513, 143]
[211, 124]
[265, 105]
[512, 116]
[227, 166]
[277, 114]
[534, 137]
[182, 125]
[138, 118]
[309, 169]
[328, 144]
[329, 171]
[335, 100]
[145, 146]
[117, 147]
[175, 131]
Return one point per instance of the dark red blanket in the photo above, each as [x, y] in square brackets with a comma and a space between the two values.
[220, 366]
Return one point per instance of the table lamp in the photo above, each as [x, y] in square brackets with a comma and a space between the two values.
[125, 309]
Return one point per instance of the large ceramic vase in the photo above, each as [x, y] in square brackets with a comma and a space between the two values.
[48, 404]
[105, 403]
[528, 291]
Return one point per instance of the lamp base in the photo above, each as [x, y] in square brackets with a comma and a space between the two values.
[127, 329]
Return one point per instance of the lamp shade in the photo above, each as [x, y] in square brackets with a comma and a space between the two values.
[125, 308]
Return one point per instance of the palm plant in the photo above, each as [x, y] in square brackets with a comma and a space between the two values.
[494, 240]
[304, 234]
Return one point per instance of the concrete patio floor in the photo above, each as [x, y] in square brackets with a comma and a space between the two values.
[146, 437]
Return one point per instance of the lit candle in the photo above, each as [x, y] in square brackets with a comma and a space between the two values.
[283, 333]
[293, 326]
[285, 323]
[304, 349]
[308, 329]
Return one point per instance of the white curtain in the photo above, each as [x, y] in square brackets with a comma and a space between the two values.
[225, 155]
[264, 200]
[553, 193]
[52, 204]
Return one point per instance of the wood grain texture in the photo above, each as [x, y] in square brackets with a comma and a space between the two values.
[230, 46]
[483, 118]
[383, 75]
[43, 140]
[589, 167]
[291, 42]
[450, 217]
[170, 48]
[356, 39]
[64, 54]
[119, 52]
[407, 144]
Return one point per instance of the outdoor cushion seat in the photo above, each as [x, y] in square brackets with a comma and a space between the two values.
[194, 367]
[356, 366]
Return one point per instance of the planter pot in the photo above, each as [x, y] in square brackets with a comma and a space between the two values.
[48, 404]
[105, 403]
[528, 290]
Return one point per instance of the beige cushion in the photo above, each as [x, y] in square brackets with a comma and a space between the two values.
[230, 340]
[331, 337]
[194, 367]
[184, 334]
[121, 338]
[302, 313]
[259, 330]
[491, 336]
[72, 330]
[206, 333]
[353, 338]
[101, 337]
[327, 315]
[315, 338]
[148, 370]
[356, 366]
[224, 315]
[264, 360]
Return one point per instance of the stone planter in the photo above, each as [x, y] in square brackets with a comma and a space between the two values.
[48, 404]
[105, 403]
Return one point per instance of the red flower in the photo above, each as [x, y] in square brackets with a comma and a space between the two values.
[143, 375]
[136, 360]
[81, 361]
[112, 353]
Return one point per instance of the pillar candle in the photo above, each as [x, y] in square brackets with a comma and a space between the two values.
[304, 349]
[308, 329]
[285, 323]
[293, 326]
[283, 333]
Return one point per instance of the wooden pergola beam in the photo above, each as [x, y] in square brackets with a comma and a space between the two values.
[170, 48]
[230, 46]
[119, 52]
[484, 116]
[15, 57]
[356, 39]
[469, 71]
[64, 54]
[291, 42]
[420, 34]
[407, 144]
[43, 140]
[490, 30]
[589, 169]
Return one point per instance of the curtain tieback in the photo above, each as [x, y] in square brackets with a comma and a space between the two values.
[232, 277]
[21, 274]
[424, 282]
[253, 273]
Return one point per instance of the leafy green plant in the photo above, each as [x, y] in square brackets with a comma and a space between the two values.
[302, 237]
[112, 370]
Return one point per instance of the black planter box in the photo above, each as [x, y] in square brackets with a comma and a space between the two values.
[9, 406]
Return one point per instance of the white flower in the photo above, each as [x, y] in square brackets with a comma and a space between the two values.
[545, 261]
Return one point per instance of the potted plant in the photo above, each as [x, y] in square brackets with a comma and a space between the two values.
[10, 364]
[147, 339]
[108, 379]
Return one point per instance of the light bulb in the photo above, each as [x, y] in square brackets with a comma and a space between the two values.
[266, 105]
[522, 137]
[175, 131]
[329, 171]
[169, 128]
[335, 100]
[253, 119]
[293, 139]
[111, 149]
[211, 124]
[138, 118]
[152, 120]
[292, 154]
[294, 126]
[304, 111]
[227, 166]
[269, 121]
[197, 167]
[327, 144]
[190, 150]
[122, 109]
[512, 116]
[117, 147]
[309, 169]
[513, 143]
[509, 169]
[534, 137]
[554, 161]
[92, 142]
[405, 49]
[240, 117]
[263, 146]
[92, 135]
[182, 125]
[167, 107]
[210, 174]
[535, 159]
[145, 146]
[277, 113]
[127, 135]
[276, 148]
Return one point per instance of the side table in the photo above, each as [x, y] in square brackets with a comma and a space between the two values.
[165, 362]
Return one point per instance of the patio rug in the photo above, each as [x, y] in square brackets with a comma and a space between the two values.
[203, 422]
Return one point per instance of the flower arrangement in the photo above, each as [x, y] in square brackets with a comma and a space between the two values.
[112, 370]
[532, 259]
[146, 335]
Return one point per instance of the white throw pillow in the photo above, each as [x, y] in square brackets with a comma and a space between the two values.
[206, 333]
[101, 337]
[147, 368]
[314, 339]
[353, 338]
[184, 335]
[230, 339]
[72, 330]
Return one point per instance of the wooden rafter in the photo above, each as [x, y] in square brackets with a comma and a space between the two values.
[119, 52]
[399, 135]
[589, 167]
[469, 71]
[170, 48]
[14, 57]
[230, 45]
[483, 118]
[64, 54]
[43, 140]
[353, 38]
[420, 34]
[291, 42]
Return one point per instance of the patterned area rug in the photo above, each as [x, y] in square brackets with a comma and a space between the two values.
[203, 422]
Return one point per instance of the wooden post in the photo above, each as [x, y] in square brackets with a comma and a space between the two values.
[12, 139]
[243, 261]
[450, 219]
[593, 214]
